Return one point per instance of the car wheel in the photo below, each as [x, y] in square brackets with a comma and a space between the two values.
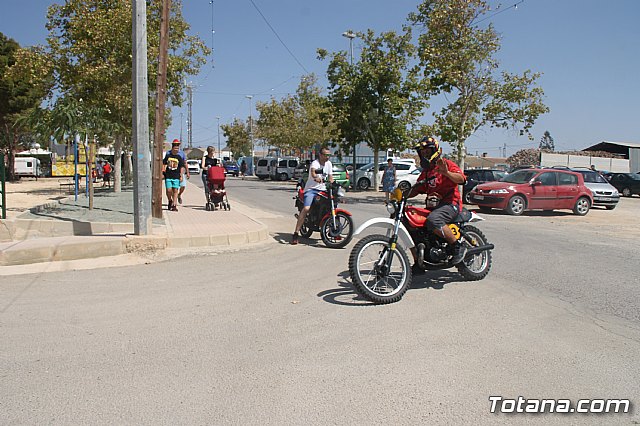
[467, 198]
[404, 185]
[364, 184]
[626, 192]
[516, 205]
[611, 207]
[582, 206]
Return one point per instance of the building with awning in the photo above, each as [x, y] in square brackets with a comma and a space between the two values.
[626, 150]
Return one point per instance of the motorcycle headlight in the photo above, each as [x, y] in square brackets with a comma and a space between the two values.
[498, 191]
[341, 192]
[391, 208]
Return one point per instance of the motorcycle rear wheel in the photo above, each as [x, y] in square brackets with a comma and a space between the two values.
[342, 235]
[476, 267]
[371, 274]
[305, 229]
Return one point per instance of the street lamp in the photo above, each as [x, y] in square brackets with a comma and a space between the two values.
[351, 35]
[219, 152]
[250, 97]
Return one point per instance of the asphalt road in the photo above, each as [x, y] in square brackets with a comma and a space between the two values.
[274, 334]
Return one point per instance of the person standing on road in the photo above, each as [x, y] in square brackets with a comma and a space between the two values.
[321, 171]
[173, 168]
[442, 178]
[388, 180]
[243, 169]
[185, 175]
[106, 171]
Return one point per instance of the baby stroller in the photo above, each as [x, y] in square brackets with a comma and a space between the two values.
[216, 194]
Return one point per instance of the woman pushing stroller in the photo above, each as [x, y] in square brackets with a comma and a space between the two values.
[213, 178]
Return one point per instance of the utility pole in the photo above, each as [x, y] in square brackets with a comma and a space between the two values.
[351, 35]
[161, 96]
[189, 116]
[142, 224]
[504, 150]
[181, 120]
[219, 151]
[251, 131]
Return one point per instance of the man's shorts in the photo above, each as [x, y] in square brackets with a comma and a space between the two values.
[172, 183]
[442, 216]
[309, 195]
[184, 180]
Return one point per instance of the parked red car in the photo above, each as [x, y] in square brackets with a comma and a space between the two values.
[535, 189]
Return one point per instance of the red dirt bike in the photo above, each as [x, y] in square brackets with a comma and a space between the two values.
[379, 266]
[335, 225]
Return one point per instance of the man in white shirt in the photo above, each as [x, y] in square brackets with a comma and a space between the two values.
[320, 171]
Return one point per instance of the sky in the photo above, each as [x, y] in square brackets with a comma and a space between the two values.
[588, 52]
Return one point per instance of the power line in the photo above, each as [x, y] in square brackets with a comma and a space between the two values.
[513, 6]
[274, 31]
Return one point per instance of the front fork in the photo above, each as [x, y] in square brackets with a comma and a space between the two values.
[393, 243]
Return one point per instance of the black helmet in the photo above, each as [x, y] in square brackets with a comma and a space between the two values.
[429, 142]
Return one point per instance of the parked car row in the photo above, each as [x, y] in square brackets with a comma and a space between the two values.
[535, 189]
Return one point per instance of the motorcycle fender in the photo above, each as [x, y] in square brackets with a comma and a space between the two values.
[388, 224]
[337, 211]
[475, 217]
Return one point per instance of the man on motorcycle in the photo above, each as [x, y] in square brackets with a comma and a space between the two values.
[442, 178]
[315, 183]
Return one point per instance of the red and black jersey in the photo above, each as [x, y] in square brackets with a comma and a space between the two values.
[436, 183]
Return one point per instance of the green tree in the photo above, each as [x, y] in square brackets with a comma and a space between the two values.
[376, 97]
[238, 140]
[297, 122]
[17, 95]
[546, 142]
[88, 55]
[457, 58]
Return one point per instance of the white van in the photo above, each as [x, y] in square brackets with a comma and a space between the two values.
[286, 168]
[266, 167]
[27, 167]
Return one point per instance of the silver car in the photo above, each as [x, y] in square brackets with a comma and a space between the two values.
[604, 194]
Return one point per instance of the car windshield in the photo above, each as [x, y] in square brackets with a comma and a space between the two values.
[521, 176]
[339, 168]
[592, 177]
[634, 176]
[366, 167]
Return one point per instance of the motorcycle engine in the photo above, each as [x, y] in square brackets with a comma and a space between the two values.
[437, 254]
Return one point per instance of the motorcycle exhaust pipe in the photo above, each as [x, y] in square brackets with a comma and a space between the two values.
[475, 250]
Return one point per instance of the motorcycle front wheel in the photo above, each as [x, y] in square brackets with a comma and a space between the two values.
[378, 273]
[339, 236]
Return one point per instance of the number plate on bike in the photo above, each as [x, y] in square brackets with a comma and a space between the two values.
[455, 230]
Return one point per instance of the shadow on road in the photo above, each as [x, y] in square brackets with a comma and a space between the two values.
[344, 295]
[434, 279]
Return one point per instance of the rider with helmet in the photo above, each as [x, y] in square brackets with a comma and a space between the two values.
[442, 178]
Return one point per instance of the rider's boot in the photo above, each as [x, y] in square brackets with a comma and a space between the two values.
[459, 252]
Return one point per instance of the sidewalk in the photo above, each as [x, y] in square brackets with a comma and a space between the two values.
[68, 230]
